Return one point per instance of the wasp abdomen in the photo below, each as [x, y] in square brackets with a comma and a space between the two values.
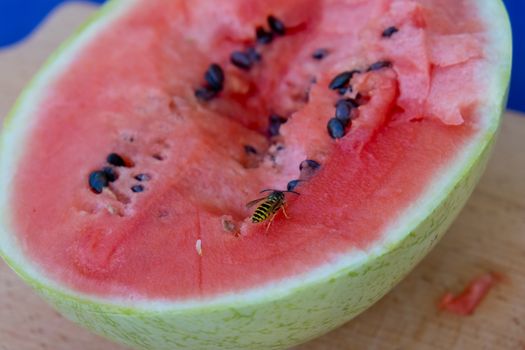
[262, 212]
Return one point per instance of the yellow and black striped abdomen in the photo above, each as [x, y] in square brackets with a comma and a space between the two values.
[266, 209]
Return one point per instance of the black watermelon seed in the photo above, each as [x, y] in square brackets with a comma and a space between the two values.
[309, 164]
[110, 173]
[379, 65]
[340, 81]
[97, 181]
[137, 188]
[319, 54]
[214, 76]
[342, 112]
[115, 159]
[249, 149]
[276, 25]
[253, 54]
[352, 103]
[387, 33]
[335, 128]
[205, 93]
[143, 177]
[241, 60]
[275, 124]
[292, 185]
[344, 109]
[263, 36]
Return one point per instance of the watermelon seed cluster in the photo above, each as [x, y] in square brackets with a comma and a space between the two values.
[214, 78]
[214, 75]
[246, 59]
[345, 111]
[307, 168]
[346, 108]
[99, 179]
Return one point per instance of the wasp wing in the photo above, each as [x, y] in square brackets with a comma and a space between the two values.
[255, 201]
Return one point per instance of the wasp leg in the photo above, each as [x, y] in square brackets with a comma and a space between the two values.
[270, 222]
[284, 211]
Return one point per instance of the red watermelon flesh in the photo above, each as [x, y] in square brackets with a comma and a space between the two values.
[132, 91]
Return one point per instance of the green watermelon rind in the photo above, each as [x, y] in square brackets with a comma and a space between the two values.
[281, 315]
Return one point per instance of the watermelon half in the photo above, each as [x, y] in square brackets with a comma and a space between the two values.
[127, 163]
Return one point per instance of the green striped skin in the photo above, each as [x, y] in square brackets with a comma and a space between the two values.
[271, 205]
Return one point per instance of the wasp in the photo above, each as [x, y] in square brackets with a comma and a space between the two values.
[270, 206]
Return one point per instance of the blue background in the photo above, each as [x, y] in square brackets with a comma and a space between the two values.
[18, 18]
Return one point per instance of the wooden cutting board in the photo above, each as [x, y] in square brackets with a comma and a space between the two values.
[489, 235]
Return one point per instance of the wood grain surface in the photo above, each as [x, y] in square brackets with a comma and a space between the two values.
[489, 235]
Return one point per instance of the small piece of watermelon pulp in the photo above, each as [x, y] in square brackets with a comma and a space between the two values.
[466, 302]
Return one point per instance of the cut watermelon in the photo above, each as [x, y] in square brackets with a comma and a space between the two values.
[128, 162]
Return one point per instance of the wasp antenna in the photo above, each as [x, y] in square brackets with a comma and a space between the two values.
[268, 190]
[297, 193]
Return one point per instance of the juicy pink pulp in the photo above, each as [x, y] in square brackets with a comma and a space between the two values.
[131, 91]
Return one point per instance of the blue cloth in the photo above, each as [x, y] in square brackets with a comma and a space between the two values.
[516, 10]
[18, 18]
